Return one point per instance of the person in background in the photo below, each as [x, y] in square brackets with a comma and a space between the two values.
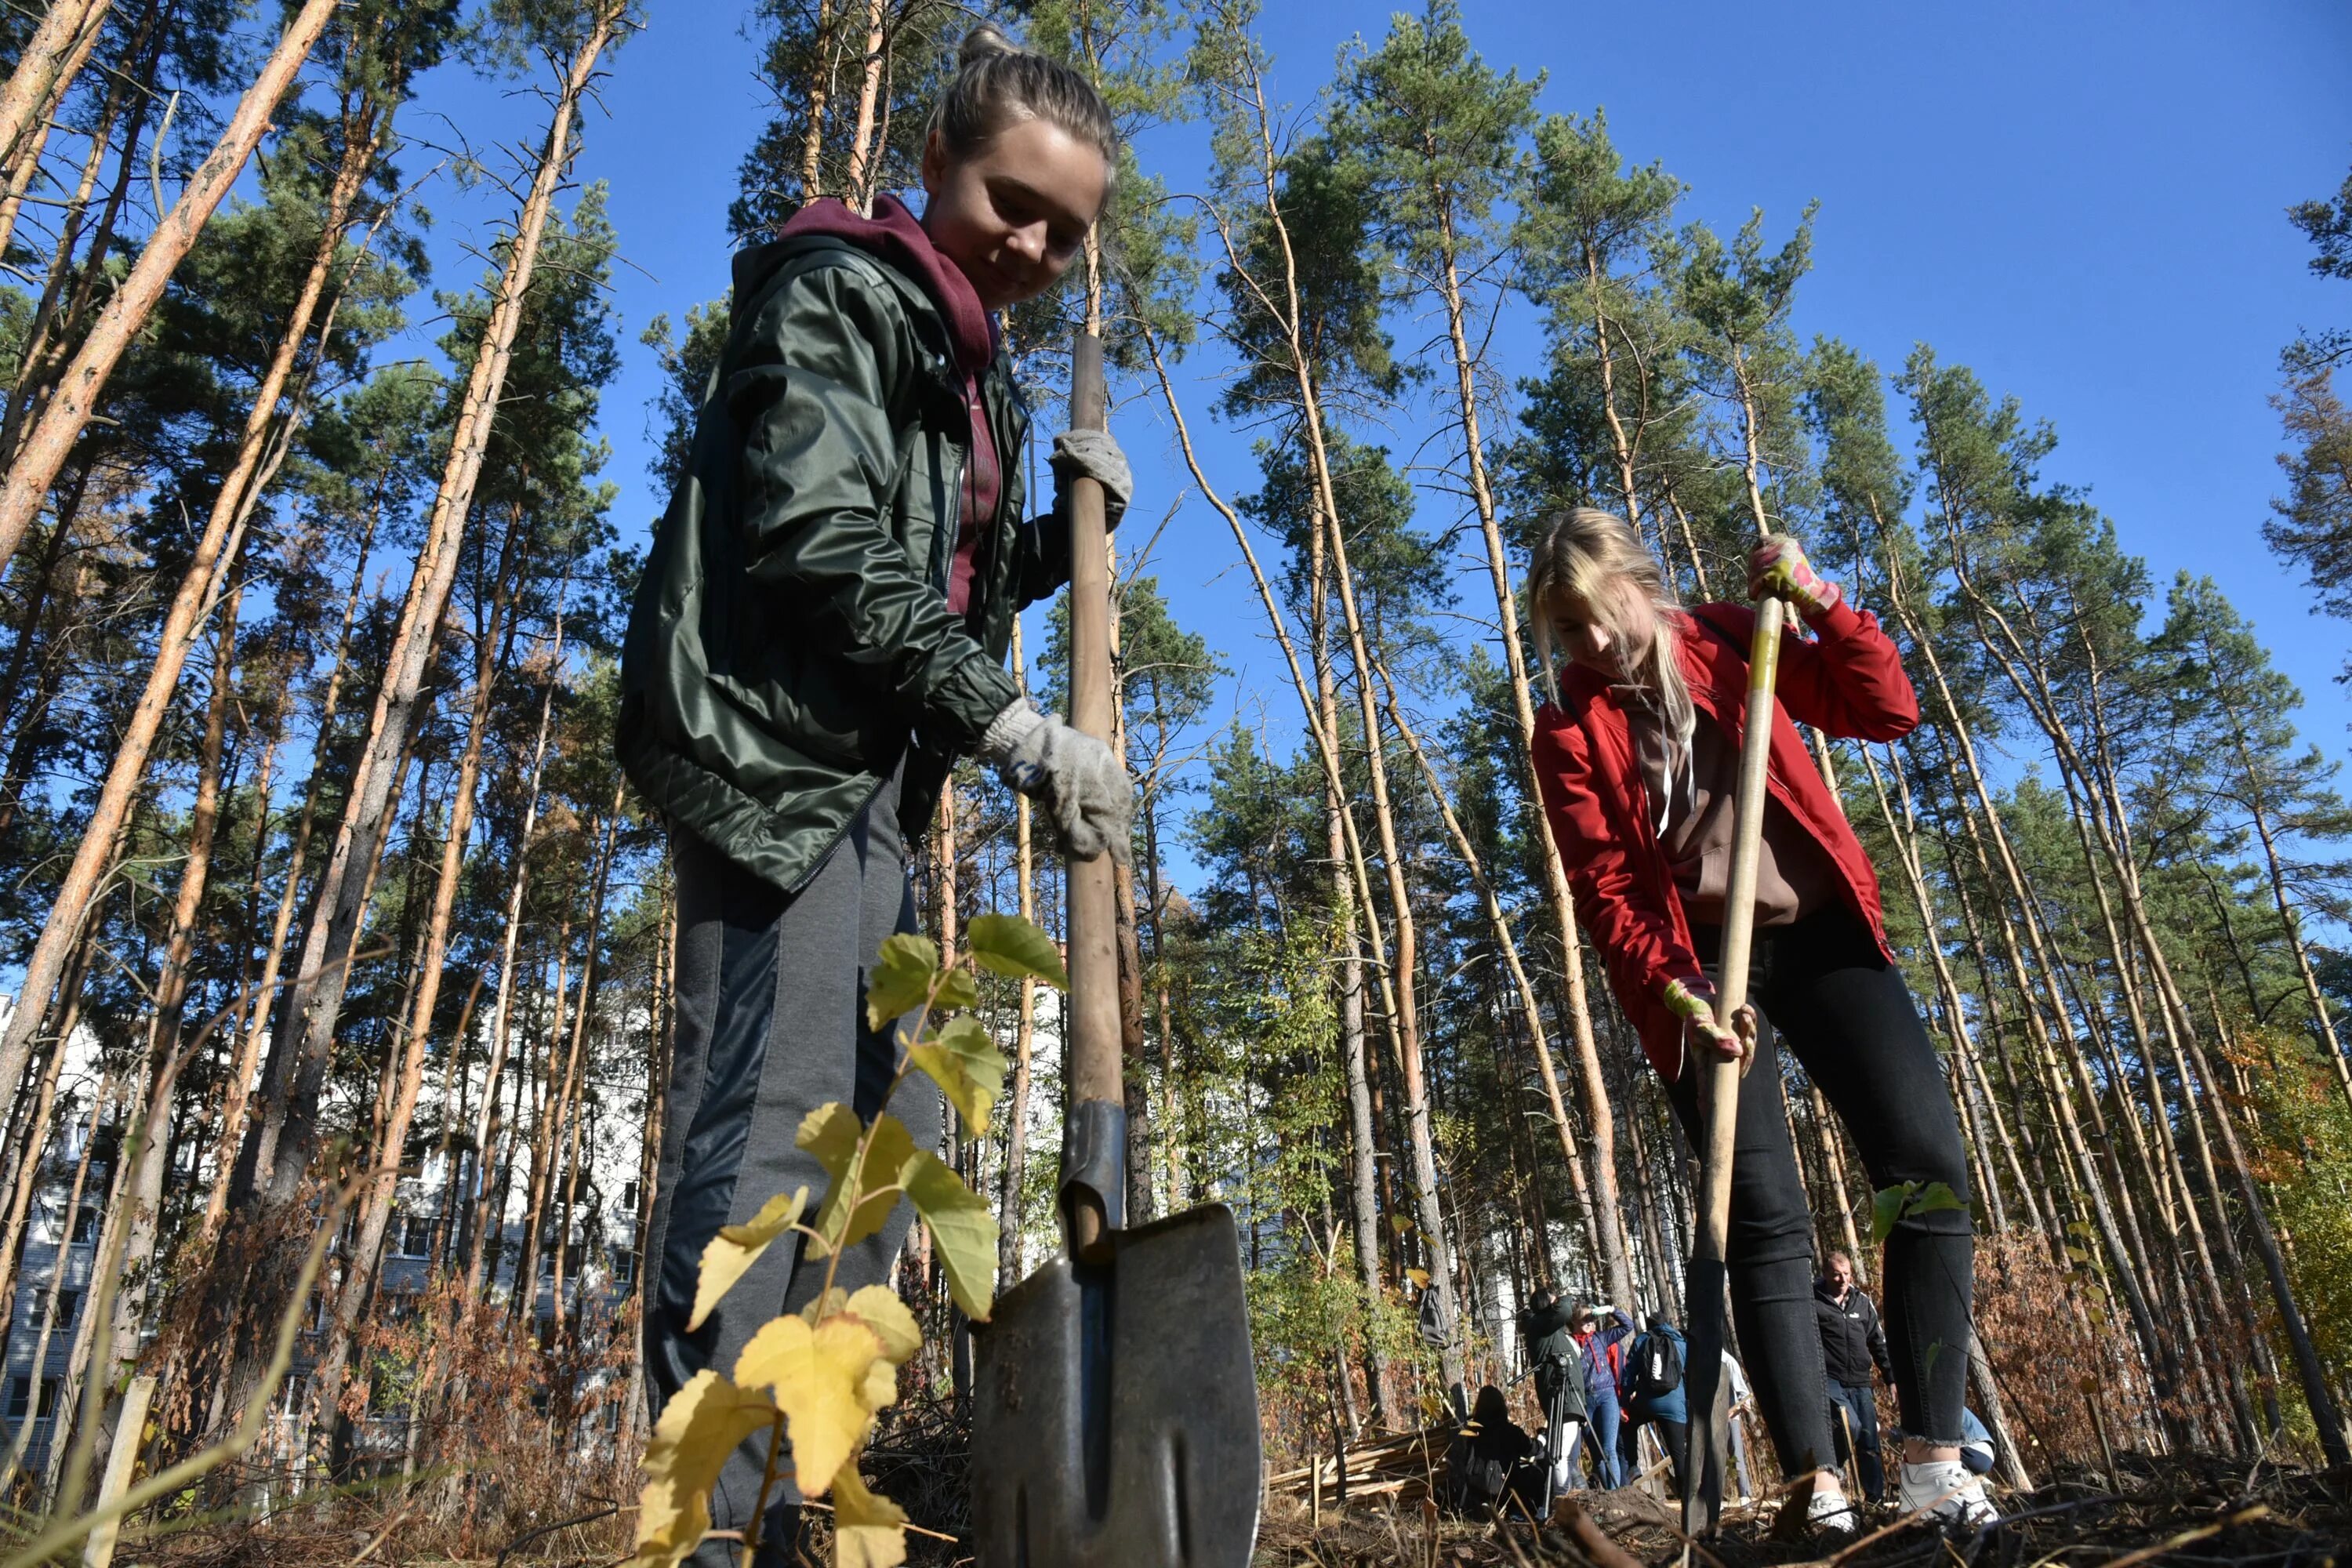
[1600, 1331]
[1558, 1365]
[1653, 1387]
[1853, 1347]
[1976, 1444]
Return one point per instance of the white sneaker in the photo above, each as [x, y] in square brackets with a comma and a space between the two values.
[1948, 1491]
[1832, 1511]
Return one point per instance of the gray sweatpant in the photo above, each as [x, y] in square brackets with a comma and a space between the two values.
[771, 1011]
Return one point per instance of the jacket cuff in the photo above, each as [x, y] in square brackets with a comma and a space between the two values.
[1837, 622]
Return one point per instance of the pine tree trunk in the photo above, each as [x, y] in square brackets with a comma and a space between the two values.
[823, 52]
[255, 1027]
[315, 1003]
[36, 463]
[486, 1130]
[67, 1225]
[46, 71]
[1602, 1132]
[199, 589]
[381, 1193]
[857, 186]
[143, 1194]
[1011, 1265]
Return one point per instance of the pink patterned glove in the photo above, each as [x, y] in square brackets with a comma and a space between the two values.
[1694, 1004]
[1779, 567]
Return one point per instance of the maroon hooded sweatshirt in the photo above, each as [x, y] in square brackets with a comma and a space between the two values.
[892, 236]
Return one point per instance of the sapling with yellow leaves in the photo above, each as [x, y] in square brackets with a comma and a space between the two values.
[815, 1380]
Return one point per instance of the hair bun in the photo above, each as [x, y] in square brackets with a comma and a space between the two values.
[985, 41]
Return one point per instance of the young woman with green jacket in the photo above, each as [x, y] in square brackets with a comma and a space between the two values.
[819, 635]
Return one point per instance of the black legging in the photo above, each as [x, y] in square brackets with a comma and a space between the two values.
[1824, 984]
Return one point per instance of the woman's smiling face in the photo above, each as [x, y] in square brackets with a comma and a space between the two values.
[1012, 215]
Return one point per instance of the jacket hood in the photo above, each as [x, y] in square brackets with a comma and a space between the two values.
[894, 237]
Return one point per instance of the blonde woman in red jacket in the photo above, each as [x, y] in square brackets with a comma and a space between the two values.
[1637, 754]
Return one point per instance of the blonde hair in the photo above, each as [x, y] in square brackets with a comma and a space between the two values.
[998, 84]
[1578, 554]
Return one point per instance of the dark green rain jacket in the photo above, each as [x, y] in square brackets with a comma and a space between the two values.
[790, 646]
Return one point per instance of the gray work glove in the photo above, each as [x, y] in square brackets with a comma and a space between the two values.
[1079, 781]
[1092, 454]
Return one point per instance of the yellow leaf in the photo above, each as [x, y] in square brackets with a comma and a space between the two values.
[1419, 1277]
[831, 1133]
[878, 1307]
[731, 1253]
[1012, 947]
[699, 1427]
[821, 1378]
[968, 1067]
[869, 1532]
[901, 977]
[961, 1227]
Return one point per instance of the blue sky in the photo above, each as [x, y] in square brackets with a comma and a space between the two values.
[2082, 202]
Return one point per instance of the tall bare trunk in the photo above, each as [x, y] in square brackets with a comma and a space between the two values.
[1011, 1266]
[486, 1129]
[317, 996]
[36, 463]
[46, 69]
[379, 1196]
[255, 1026]
[45, 73]
[69, 1223]
[865, 158]
[1602, 1130]
[199, 590]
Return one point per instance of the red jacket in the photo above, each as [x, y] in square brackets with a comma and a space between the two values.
[1850, 682]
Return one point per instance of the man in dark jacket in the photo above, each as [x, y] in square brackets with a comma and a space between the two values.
[1854, 1345]
[1558, 1365]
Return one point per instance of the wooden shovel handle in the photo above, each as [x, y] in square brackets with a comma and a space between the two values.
[1720, 1089]
[1094, 1041]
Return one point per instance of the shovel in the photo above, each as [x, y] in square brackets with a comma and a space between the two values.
[1115, 1404]
[1704, 1388]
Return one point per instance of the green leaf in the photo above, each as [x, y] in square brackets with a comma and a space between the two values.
[968, 1067]
[1885, 1209]
[963, 1228]
[1936, 1196]
[1016, 949]
[958, 992]
[831, 1133]
[901, 978]
[731, 1253]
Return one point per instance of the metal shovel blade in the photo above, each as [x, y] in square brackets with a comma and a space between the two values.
[1114, 1411]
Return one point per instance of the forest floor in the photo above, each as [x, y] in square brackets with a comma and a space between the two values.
[2175, 1511]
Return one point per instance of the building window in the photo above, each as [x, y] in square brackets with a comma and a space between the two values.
[68, 1307]
[20, 1395]
[85, 1226]
[416, 1235]
[624, 1267]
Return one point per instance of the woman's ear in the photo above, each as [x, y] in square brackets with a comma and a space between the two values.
[935, 163]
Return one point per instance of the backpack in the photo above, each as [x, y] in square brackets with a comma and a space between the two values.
[1657, 1367]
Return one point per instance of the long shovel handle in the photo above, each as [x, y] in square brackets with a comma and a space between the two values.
[1720, 1087]
[1719, 1081]
[1094, 1146]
